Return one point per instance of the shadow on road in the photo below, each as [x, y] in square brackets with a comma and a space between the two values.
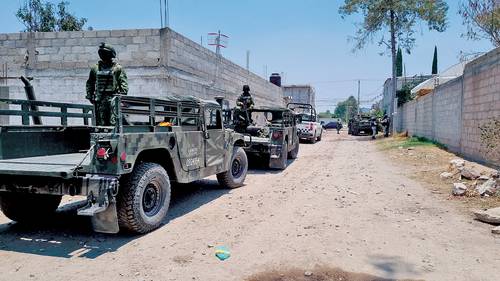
[392, 266]
[67, 235]
[259, 166]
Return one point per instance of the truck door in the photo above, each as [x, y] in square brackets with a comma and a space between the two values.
[214, 137]
[190, 141]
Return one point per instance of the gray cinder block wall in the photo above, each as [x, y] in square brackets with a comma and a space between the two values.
[453, 113]
[158, 62]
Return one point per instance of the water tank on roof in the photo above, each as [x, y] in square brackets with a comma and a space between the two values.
[275, 79]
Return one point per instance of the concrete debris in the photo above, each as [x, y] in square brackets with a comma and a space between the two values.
[457, 163]
[308, 273]
[489, 187]
[489, 216]
[446, 175]
[483, 178]
[459, 189]
[469, 173]
[496, 230]
[495, 174]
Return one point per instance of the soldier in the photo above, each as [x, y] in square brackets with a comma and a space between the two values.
[386, 124]
[244, 106]
[373, 124]
[106, 79]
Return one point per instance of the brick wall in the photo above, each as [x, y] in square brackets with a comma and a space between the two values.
[453, 113]
[158, 62]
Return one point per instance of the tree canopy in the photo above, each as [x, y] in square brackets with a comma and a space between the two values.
[349, 106]
[482, 19]
[399, 63]
[435, 61]
[380, 15]
[42, 16]
[397, 17]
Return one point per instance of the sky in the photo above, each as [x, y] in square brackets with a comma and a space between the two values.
[306, 40]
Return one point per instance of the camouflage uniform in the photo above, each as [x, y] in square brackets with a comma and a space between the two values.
[106, 79]
[243, 110]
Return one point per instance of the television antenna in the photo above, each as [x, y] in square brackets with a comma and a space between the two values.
[218, 40]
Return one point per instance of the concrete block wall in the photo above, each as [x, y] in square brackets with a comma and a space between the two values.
[446, 116]
[481, 103]
[158, 62]
[453, 113]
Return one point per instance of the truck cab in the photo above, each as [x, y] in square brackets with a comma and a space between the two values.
[309, 128]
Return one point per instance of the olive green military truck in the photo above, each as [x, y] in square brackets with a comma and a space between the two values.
[125, 171]
[359, 124]
[274, 136]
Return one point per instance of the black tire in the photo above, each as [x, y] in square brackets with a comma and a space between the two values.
[28, 208]
[295, 151]
[235, 176]
[320, 135]
[313, 140]
[144, 198]
[281, 162]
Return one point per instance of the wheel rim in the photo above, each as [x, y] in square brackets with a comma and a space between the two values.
[236, 168]
[151, 199]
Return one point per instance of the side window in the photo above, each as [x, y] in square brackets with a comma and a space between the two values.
[187, 117]
[213, 118]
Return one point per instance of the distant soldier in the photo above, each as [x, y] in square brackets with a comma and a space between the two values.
[244, 106]
[373, 124]
[339, 126]
[106, 80]
[386, 122]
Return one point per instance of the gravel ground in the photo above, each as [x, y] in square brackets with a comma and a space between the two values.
[341, 204]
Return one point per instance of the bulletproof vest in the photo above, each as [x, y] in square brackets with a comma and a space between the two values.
[105, 82]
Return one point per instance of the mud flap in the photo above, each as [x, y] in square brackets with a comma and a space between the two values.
[106, 221]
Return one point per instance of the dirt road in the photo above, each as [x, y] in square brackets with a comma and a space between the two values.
[340, 204]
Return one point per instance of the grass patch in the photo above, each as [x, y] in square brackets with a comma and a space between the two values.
[406, 142]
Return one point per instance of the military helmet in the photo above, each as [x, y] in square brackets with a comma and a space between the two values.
[246, 88]
[106, 51]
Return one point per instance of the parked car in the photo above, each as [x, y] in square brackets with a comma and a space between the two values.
[332, 125]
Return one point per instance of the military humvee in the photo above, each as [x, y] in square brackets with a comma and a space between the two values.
[359, 124]
[125, 171]
[274, 136]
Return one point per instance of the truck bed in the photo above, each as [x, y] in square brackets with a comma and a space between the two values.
[59, 165]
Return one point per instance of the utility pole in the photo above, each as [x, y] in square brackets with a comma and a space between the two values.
[359, 89]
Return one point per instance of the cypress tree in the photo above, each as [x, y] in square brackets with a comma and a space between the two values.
[399, 63]
[435, 61]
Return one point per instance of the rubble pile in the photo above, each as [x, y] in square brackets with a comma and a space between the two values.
[469, 181]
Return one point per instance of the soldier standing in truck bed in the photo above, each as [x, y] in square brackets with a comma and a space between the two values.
[243, 111]
[106, 80]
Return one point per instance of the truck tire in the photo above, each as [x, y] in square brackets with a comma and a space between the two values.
[313, 140]
[281, 162]
[238, 168]
[28, 208]
[294, 152]
[143, 198]
[320, 135]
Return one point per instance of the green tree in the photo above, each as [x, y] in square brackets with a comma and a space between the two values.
[397, 17]
[399, 63]
[41, 16]
[482, 19]
[435, 61]
[349, 106]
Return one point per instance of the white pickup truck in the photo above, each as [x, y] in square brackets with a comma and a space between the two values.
[309, 128]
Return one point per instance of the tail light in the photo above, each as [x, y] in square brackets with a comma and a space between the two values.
[102, 153]
[277, 135]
